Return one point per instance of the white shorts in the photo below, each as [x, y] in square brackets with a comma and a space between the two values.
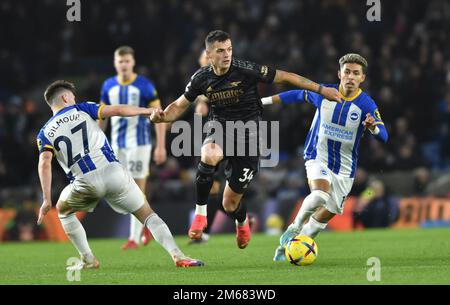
[111, 182]
[135, 159]
[340, 186]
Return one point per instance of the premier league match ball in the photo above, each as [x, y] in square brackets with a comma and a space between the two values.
[301, 251]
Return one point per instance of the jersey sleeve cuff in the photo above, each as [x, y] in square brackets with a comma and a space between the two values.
[189, 99]
[271, 76]
[47, 148]
[99, 111]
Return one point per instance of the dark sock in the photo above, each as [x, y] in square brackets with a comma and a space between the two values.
[204, 181]
[213, 206]
[240, 213]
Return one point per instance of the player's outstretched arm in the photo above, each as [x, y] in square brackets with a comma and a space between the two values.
[45, 176]
[172, 112]
[107, 111]
[283, 77]
[287, 97]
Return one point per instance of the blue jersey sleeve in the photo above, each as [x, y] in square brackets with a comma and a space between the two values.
[150, 93]
[299, 96]
[43, 143]
[93, 109]
[382, 135]
[104, 97]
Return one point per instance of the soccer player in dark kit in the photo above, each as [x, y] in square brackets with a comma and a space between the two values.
[231, 88]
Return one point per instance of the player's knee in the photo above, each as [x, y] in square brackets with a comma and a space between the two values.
[62, 208]
[230, 204]
[228, 208]
[320, 197]
[211, 159]
[323, 216]
[143, 212]
[212, 154]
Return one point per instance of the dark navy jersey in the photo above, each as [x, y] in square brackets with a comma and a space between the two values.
[233, 96]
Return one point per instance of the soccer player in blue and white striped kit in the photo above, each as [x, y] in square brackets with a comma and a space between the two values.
[331, 147]
[73, 137]
[131, 136]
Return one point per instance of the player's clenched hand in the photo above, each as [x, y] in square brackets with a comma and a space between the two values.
[369, 122]
[331, 94]
[157, 116]
[45, 207]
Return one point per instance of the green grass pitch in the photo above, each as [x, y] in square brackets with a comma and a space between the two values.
[410, 256]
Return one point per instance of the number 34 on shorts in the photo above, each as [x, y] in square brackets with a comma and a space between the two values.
[247, 175]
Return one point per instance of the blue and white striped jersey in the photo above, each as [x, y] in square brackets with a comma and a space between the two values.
[336, 129]
[76, 140]
[129, 131]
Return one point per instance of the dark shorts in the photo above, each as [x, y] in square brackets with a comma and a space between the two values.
[240, 167]
[240, 171]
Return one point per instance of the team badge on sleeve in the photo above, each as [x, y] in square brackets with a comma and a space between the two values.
[264, 71]
[39, 144]
[377, 115]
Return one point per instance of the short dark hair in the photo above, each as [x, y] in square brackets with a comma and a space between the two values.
[353, 58]
[216, 35]
[124, 50]
[56, 87]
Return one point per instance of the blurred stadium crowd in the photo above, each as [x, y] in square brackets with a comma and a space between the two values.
[409, 78]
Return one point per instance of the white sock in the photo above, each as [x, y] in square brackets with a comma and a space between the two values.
[313, 227]
[201, 210]
[162, 235]
[76, 233]
[135, 229]
[313, 201]
[241, 223]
